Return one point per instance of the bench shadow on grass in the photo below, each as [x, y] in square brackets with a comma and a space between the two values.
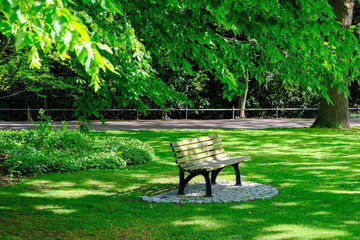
[317, 179]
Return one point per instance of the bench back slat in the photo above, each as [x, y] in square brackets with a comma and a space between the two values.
[196, 145]
[201, 155]
[199, 150]
[209, 147]
[195, 140]
[198, 162]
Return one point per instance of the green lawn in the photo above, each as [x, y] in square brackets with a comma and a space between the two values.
[317, 173]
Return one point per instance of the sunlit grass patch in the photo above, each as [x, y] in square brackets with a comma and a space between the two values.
[55, 209]
[292, 231]
[65, 193]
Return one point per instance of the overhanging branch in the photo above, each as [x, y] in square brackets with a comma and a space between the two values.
[14, 94]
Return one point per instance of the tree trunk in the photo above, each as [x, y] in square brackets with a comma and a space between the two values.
[243, 96]
[337, 113]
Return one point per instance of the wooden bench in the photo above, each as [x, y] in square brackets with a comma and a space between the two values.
[202, 156]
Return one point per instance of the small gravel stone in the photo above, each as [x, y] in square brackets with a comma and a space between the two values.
[223, 191]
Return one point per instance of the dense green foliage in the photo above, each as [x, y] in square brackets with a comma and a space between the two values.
[113, 47]
[202, 92]
[315, 170]
[272, 93]
[45, 150]
[87, 36]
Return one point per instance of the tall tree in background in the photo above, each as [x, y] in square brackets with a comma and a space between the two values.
[335, 113]
[243, 97]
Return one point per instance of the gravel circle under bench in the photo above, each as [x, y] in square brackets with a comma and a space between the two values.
[223, 191]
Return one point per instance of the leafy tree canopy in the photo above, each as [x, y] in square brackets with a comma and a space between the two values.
[113, 44]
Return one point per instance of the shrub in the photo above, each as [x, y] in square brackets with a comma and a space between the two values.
[47, 150]
[135, 152]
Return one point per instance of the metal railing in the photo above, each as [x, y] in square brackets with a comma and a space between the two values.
[186, 110]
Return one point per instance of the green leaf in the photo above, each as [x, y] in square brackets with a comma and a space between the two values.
[107, 4]
[95, 82]
[88, 19]
[22, 39]
[60, 24]
[49, 16]
[38, 29]
[5, 6]
[187, 66]
[12, 2]
[13, 18]
[90, 55]
[61, 49]
[95, 36]
[109, 65]
[99, 59]
[34, 58]
[82, 30]
[81, 53]
[104, 47]
[36, 6]
[5, 28]
[67, 38]
[21, 17]
[96, 113]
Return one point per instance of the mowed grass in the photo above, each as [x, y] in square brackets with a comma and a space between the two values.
[317, 173]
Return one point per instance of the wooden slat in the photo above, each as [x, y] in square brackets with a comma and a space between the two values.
[241, 159]
[214, 164]
[196, 145]
[212, 158]
[201, 155]
[198, 150]
[200, 163]
[194, 140]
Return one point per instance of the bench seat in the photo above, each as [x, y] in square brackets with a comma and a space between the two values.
[210, 165]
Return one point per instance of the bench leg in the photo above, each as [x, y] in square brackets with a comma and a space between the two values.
[214, 175]
[237, 174]
[184, 181]
[208, 184]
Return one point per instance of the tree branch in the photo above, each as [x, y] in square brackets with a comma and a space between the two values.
[236, 40]
[17, 69]
[14, 94]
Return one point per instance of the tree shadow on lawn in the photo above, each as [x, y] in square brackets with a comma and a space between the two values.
[82, 208]
[318, 199]
[99, 206]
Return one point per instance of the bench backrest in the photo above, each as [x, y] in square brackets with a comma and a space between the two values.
[198, 149]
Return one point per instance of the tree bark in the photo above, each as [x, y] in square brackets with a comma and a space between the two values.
[336, 114]
[243, 96]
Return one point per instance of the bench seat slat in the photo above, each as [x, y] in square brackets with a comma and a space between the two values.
[196, 145]
[213, 165]
[199, 150]
[195, 140]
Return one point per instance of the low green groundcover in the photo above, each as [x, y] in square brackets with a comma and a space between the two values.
[31, 152]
